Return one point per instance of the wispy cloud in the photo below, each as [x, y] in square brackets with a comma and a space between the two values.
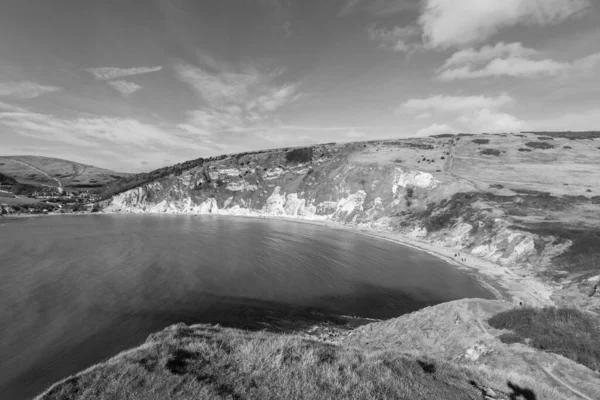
[389, 7]
[25, 89]
[11, 108]
[108, 73]
[126, 88]
[348, 7]
[400, 39]
[233, 100]
[98, 131]
[513, 60]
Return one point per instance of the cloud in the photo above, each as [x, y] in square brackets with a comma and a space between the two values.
[399, 39]
[126, 88]
[108, 73]
[435, 129]
[448, 23]
[512, 60]
[445, 103]
[584, 120]
[25, 89]
[472, 113]
[233, 100]
[486, 120]
[348, 8]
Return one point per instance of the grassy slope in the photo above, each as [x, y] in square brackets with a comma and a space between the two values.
[210, 362]
[458, 332]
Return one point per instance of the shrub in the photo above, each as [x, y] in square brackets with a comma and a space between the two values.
[539, 145]
[565, 331]
[480, 141]
[510, 338]
[490, 152]
[302, 155]
[525, 150]
[567, 147]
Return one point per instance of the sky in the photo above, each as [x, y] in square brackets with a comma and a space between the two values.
[134, 85]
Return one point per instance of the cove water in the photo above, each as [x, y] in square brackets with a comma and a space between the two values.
[76, 290]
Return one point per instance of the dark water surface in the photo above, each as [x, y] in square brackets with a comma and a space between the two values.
[76, 290]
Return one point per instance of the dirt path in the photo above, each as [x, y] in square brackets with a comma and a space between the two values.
[564, 384]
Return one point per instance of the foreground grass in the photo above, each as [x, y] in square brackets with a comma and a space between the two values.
[209, 362]
[569, 332]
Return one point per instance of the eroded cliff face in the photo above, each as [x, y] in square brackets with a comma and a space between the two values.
[336, 183]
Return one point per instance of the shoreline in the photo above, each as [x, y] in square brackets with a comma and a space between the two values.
[503, 283]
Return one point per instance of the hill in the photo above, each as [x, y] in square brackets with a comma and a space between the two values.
[36, 171]
[203, 361]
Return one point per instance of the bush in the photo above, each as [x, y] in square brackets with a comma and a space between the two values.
[525, 150]
[299, 155]
[510, 338]
[539, 145]
[480, 141]
[567, 147]
[490, 152]
[565, 331]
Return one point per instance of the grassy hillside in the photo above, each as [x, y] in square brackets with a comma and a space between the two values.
[205, 362]
[35, 170]
[568, 332]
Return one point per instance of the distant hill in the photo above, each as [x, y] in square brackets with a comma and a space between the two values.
[35, 170]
